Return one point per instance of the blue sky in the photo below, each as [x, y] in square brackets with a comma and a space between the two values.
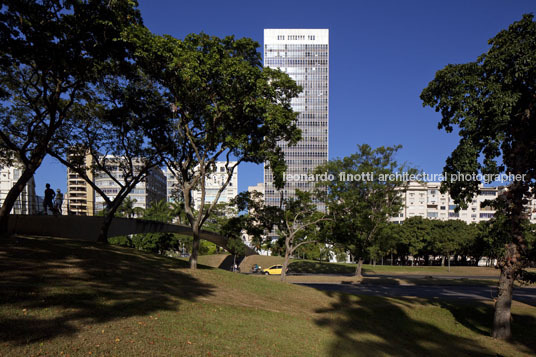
[382, 54]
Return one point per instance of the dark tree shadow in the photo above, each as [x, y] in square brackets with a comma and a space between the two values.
[478, 317]
[309, 267]
[83, 283]
[368, 325]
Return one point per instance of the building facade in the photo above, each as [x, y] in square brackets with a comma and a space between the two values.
[81, 198]
[304, 55]
[149, 190]
[27, 202]
[257, 188]
[213, 183]
[424, 199]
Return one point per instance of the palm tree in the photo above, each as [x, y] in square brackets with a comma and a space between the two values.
[127, 208]
[177, 211]
[159, 211]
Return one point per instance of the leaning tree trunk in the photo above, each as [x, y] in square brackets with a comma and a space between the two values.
[503, 304]
[285, 262]
[11, 198]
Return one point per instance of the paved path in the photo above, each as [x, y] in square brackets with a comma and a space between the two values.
[525, 295]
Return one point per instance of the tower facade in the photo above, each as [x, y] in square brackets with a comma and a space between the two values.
[304, 55]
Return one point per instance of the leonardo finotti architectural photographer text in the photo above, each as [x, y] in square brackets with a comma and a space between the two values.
[404, 176]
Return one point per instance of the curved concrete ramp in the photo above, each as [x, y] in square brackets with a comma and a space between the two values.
[87, 228]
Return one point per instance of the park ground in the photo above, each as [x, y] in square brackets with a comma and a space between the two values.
[66, 298]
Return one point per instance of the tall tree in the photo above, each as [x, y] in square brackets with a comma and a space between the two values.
[492, 100]
[362, 197]
[226, 107]
[52, 52]
[415, 233]
[298, 223]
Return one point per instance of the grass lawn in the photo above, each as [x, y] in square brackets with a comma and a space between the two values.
[66, 298]
[213, 260]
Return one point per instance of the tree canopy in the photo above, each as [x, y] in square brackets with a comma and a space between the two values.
[226, 107]
[52, 55]
[360, 206]
[493, 103]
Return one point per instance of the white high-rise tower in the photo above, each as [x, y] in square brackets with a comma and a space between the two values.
[304, 55]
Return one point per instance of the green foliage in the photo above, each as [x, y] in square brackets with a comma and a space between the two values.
[116, 135]
[53, 57]
[361, 208]
[225, 105]
[490, 100]
[299, 220]
[124, 241]
[156, 242]
[127, 209]
[160, 211]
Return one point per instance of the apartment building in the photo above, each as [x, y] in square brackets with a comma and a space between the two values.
[424, 199]
[27, 202]
[151, 189]
[81, 198]
[213, 183]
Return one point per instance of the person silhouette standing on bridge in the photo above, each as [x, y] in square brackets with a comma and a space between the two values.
[49, 198]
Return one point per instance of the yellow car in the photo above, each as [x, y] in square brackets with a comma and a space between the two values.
[273, 270]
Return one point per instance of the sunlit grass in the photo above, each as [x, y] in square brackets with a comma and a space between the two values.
[69, 298]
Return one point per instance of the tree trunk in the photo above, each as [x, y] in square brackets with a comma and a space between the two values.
[448, 258]
[103, 234]
[359, 268]
[195, 246]
[392, 259]
[11, 198]
[442, 260]
[285, 265]
[503, 316]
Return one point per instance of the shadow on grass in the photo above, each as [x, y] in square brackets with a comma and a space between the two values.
[380, 281]
[478, 317]
[50, 287]
[366, 325]
[319, 268]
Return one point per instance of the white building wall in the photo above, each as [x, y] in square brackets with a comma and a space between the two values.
[213, 183]
[425, 200]
[27, 202]
[151, 189]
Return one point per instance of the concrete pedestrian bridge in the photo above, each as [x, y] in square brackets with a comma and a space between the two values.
[87, 228]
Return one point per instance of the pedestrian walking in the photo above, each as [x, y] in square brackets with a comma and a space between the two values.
[49, 199]
[59, 201]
